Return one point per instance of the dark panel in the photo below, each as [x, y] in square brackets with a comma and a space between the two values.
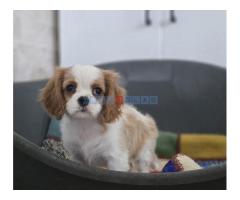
[29, 118]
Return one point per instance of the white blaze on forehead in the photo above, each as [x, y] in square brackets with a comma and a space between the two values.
[85, 74]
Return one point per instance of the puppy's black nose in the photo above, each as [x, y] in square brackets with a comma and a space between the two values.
[83, 101]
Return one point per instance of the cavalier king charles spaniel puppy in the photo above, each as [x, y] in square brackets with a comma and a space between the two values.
[97, 127]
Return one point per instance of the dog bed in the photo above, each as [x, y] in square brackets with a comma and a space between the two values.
[191, 99]
[207, 149]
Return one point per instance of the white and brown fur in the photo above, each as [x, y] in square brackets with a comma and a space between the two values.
[114, 135]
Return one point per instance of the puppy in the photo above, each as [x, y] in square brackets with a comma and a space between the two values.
[97, 127]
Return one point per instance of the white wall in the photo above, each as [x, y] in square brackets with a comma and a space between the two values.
[91, 37]
[102, 36]
[34, 48]
[197, 35]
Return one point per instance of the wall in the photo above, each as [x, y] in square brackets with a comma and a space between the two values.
[197, 35]
[35, 44]
[93, 37]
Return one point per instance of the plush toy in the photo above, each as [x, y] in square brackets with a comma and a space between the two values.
[180, 162]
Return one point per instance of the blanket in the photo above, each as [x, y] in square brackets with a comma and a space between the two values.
[198, 146]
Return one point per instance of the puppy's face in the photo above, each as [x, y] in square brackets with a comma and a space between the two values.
[83, 92]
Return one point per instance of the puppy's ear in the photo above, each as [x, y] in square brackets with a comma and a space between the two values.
[51, 96]
[114, 97]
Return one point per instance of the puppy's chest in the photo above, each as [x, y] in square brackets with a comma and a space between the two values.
[88, 140]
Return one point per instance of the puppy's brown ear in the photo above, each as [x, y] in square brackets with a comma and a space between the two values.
[114, 97]
[51, 96]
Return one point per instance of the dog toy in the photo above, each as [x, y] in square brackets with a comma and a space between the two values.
[180, 162]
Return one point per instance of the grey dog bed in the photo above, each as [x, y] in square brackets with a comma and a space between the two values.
[191, 98]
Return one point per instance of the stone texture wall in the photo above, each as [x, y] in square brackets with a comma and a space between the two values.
[34, 44]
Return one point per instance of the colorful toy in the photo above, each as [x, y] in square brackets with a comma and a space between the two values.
[180, 162]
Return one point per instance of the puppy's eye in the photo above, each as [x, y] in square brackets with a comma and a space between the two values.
[97, 91]
[71, 88]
